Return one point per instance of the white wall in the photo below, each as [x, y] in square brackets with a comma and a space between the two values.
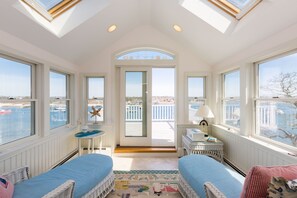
[46, 148]
[144, 36]
[243, 151]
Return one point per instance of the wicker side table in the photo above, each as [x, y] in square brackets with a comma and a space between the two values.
[212, 149]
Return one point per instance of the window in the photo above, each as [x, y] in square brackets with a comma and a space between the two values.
[145, 54]
[95, 98]
[196, 96]
[59, 99]
[50, 9]
[231, 99]
[236, 8]
[17, 100]
[276, 103]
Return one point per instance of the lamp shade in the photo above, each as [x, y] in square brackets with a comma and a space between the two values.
[205, 112]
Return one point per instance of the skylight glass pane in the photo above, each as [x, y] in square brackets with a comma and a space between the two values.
[239, 3]
[48, 4]
[145, 55]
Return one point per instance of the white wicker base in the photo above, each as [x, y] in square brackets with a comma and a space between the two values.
[185, 189]
[103, 188]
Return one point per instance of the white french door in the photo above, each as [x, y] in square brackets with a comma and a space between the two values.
[135, 103]
[147, 106]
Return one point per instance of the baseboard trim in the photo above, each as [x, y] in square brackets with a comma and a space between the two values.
[68, 157]
[234, 167]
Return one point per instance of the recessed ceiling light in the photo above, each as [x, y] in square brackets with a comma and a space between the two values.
[112, 28]
[177, 28]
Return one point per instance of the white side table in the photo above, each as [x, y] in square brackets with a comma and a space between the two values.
[91, 141]
[213, 149]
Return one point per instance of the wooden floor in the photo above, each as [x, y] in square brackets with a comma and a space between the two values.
[129, 149]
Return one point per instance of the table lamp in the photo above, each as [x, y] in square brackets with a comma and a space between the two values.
[204, 112]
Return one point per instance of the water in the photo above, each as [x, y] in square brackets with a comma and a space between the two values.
[16, 122]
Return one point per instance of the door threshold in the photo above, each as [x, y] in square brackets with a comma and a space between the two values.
[144, 149]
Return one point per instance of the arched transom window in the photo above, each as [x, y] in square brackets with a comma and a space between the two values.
[145, 54]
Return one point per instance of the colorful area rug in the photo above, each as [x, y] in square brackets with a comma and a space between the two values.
[146, 183]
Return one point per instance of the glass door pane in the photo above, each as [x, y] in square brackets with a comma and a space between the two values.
[163, 106]
[136, 104]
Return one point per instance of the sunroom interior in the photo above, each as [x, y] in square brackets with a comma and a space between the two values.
[147, 67]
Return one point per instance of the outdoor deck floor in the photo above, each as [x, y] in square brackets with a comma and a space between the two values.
[162, 132]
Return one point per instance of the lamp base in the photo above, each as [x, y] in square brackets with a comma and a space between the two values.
[203, 123]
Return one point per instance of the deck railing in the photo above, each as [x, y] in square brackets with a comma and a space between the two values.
[269, 115]
[159, 112]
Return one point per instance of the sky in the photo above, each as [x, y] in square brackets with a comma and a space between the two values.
[57, 85]
[14, 79]
[48, 4]
[96, 87]
[272, 68]
[162, 82]
[232, 84]
[145, 55]
[196, 87]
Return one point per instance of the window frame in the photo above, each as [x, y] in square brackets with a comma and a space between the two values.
[204, 99]
[224, 99]
[86, 98]
[276, 99]
[33, 100]
[55, 11]
[234, 11]
[67, 99]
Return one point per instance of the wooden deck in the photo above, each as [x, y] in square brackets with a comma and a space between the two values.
[162, 132]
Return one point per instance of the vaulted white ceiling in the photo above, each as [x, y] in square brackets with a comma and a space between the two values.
[90, 36]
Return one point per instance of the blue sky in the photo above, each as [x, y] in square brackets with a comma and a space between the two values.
[145, 55]
[272, 68]
[14, 79]
[57, 85]
[232, 84]
[96, 87]
[48, 4]
[162, 82]
[195, 87]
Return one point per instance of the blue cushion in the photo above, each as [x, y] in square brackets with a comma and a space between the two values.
[87, 171]
[198, 169]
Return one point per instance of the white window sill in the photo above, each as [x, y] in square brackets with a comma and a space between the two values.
[227, 128]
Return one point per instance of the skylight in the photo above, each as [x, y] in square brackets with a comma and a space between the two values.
[236, 8]
[50, 9]
[239, 3]
[48, 4]
[205, 11]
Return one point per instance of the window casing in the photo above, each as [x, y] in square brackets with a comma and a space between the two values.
[276, 100]
[231, 99]
[17, 99]
[50, 9]
[59, 99]
[95, 97]
[236, 8]
[196, 96]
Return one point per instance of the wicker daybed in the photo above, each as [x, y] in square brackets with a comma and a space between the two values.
[85, 176]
